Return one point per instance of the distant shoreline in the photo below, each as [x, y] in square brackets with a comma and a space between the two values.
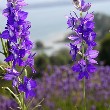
[55, 4]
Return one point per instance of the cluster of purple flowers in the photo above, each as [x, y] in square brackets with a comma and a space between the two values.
[17, 36]
[63, 82]
[7, 104]
[83, 40]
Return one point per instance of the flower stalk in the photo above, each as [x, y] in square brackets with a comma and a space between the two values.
[84, 80]
[17, 45]
[84, 92]
[83, 42]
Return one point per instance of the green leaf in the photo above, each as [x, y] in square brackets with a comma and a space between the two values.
[13, 95]
[39, 104]
[1, 68]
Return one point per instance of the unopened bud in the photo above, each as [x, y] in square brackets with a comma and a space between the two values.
[77, 3]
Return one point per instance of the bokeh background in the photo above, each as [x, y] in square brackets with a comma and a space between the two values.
[57, 84]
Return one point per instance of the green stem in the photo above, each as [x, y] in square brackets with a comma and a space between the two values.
[30, 102]
[1, 52]
[4, 49]
[5, 53]
[38, 105]
[23, 105]
[84, 82]
[108, 107]
[84, 94]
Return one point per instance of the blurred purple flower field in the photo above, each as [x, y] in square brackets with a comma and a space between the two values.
[61, 90]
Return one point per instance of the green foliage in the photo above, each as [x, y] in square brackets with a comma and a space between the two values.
[39, 45]
[104, 54]
[61, 57]
[102, 25]
[67, 104]
[41, 61]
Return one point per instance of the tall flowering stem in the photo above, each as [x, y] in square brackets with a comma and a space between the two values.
[83, 42]
[17, 46]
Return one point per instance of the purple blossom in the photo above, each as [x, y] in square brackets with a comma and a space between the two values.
[73, 51]
[28, 87]
[84, 6]
[83, 69]
[5, 34]
[76, 40]
[30, 62]
[16, 56]
[91, 54]
[12, 74]
[71, 21]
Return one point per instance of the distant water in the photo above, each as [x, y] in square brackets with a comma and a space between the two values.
[49, 24]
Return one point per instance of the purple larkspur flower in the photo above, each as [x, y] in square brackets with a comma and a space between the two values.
[5, 34]
[71, 21]
[91, 39]
[89, 17]
[83, 28]
[77, 40]
[12, 74]
[28, 87]
[17, 32]
[84, 6]
[83, 36]
[91, 54]
[73, 51]
[30, 62]
[16, 56]
[83, 69]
